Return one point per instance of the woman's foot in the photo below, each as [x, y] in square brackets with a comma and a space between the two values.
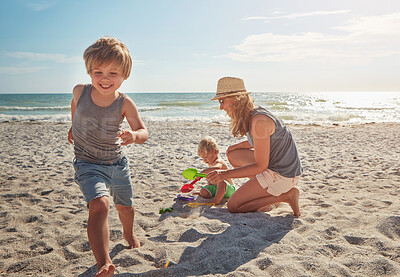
[293, 200]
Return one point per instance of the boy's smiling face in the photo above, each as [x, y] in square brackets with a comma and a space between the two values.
[106, 78]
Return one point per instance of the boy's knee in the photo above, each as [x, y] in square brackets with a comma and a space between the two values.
[99, 206]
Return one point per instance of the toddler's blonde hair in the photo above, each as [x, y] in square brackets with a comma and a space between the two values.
[108, 50]
[208, 144]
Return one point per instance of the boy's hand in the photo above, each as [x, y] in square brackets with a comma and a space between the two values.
[127, 137]
[70, 138]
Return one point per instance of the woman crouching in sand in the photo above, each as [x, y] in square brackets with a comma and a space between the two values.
[269, 156]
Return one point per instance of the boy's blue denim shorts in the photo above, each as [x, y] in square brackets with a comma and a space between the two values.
[96, 180]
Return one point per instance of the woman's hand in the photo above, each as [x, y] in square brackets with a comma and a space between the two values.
[127, 137]
[217, 176]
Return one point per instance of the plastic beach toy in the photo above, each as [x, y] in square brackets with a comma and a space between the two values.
[197, 204]
[185, 198]
[189, 187]
[164, 210]
[192, 173]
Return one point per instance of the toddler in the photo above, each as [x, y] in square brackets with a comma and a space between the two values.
[208, 150]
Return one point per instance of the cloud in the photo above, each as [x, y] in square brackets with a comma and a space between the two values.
[296, 15]
[19, 70]
[361, 40]
[30, 59]
[388, 24]
[59, 58]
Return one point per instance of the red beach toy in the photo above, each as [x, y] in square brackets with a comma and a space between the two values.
[189, 187]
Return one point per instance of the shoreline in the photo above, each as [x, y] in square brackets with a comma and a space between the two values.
[349, 200]
[222, 123]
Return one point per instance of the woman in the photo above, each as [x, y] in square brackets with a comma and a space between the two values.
[269, 156]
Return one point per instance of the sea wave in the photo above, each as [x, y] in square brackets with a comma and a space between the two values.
[49, 118]
[181, 103]
[18, 108]
[290, 119]
[366, 108]
[209, 119]
[292, 108]
[150, 109]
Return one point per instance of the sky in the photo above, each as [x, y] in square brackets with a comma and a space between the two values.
[187, 45]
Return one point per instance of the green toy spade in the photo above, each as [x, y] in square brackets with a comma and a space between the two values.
[192, 173]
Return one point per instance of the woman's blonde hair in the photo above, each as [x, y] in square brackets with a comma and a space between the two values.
[208, 144]
[241, 114]
[108, 50]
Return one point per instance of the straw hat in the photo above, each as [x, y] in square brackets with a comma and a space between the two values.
[230, 86]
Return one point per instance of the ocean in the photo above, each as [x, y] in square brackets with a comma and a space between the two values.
[325, 108]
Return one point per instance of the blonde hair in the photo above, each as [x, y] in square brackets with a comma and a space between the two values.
[241, 114]
[108, 50]
[208, 144]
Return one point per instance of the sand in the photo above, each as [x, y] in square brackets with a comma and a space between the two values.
[350, 223]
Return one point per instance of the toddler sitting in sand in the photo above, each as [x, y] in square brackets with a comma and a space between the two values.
[208, 150]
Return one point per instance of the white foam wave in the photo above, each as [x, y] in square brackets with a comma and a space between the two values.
[50, 118]
[151, 109]
[17, 108]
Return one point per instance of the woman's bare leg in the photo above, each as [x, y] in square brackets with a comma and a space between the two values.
[251, 197]
[241, 157]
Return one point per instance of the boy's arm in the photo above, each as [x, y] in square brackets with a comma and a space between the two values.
[210, 169]
[218, 166]
[139, 133]
[77, 91]
[219, 194]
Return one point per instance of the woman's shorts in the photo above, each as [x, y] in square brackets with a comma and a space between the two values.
[275, 183]
[212, 189]
[96, 180]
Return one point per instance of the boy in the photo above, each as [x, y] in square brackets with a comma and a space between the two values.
[208, 150]
[98, 110]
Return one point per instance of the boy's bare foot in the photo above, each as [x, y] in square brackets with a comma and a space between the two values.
[106, 270]
[132, 240]
[293, 201]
